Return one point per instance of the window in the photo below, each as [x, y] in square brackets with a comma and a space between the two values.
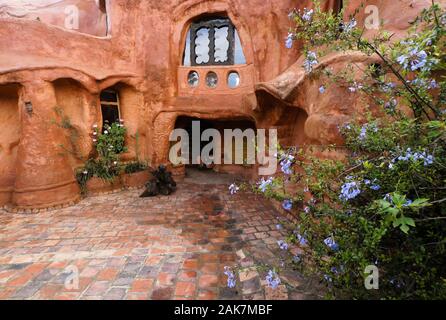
[193, 79]
[213, 42]
[211, 79]
[233, 80]
[109, 107]
[103, 8]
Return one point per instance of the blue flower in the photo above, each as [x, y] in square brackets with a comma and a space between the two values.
[282, 245]
[428, 160]
[349, 190]
[350, 26]
[310, 61]
[264, 184]
[287, 205]
[322, 89]
[373, 186]
[272, 279]
[408, 203]
[363, 133]
[416, 156]
[432, 84]
[278, 226]
[307, 209]
[329, 242]
[355, 87]
[231, 277]
[289, 41]
[233, 188]
[286, 163]
[301, 239]
[391, 105]
[386, 87]
[414, 60]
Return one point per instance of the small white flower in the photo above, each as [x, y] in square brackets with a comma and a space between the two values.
[105, 132]
[233, 188]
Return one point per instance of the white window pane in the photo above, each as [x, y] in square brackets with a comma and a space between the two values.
[202, 46]
[221, 44]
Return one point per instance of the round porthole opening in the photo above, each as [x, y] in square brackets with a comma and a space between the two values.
[211, 79]
[233, 80]
[193, 79]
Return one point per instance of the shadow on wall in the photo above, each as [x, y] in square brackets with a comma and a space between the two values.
[76, 111]
[9, 139]
[291, 127]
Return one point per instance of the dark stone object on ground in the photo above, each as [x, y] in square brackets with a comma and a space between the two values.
[161, 183]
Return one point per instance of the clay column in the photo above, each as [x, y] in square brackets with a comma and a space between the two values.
[44, 176]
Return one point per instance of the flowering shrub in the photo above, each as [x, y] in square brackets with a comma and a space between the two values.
[109, 144]
[385, 203]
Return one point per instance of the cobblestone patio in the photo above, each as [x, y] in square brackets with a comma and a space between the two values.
[125, 247]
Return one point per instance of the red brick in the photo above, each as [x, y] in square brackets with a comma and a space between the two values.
[207, 281]
[142, 285]
[186, 289]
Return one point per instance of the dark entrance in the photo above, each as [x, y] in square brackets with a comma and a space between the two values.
[186, 123]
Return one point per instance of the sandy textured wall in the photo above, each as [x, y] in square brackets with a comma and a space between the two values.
[58, 13]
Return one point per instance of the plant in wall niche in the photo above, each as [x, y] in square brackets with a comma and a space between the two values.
[384, 206]
[64, 122]
[109, 145]
[112, 140]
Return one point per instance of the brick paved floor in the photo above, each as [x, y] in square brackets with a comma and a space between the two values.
[125, 247]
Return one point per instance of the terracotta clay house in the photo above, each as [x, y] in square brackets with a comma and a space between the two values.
[158, 65]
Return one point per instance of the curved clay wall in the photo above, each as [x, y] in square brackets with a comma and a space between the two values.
[92, 19]
[76, 111]
[9, 139]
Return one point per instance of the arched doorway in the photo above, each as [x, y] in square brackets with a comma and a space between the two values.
[218, 156]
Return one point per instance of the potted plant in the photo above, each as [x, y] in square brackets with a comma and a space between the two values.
[178, 171]
[135, 175]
